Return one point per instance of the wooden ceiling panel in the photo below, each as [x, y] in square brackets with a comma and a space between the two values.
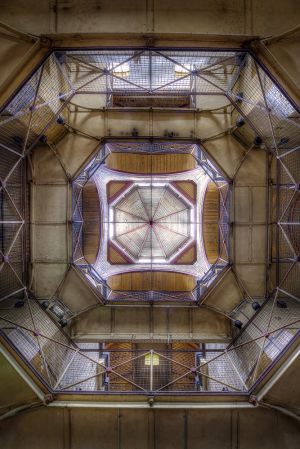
[211, 209]
[152, 280]
[150, 163]
[91, 218]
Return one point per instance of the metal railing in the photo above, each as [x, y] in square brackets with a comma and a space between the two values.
[66, 366]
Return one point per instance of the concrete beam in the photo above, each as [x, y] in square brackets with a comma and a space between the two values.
[40, 394]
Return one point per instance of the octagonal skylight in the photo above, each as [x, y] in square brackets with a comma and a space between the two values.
[151, 220]
[151, 223]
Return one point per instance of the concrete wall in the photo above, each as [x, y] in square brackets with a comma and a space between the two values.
[150, 429]
[197, 16]
[151, 324]
[13, 390]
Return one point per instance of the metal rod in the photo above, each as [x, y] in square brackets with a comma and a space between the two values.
[155, 405]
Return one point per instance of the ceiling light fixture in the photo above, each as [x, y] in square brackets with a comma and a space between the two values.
[151, 359]
[121, 70]
[256, 305]
[238, 324]
[182, 70]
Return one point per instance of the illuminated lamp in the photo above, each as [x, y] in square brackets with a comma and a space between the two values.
[121, 70]
[151, 359]
[182, 70]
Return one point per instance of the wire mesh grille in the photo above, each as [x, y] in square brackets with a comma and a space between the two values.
[150, 73]
[61, 363]
[90, 367]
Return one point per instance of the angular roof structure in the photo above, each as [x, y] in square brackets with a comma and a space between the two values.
[152, 223]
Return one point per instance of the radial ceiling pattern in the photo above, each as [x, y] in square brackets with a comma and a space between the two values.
[152, 223]
[153, 218]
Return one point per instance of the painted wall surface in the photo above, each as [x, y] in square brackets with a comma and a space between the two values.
[198, 16]
[150, 429]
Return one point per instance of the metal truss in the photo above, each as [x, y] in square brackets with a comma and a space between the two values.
[235, 75]
[37, 113]
[64, 366]
[13, 229]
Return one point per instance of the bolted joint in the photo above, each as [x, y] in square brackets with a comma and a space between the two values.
[151, 401]
[48, 399]
[253, 400]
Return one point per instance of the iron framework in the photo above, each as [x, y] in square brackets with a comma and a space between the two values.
[33, 114]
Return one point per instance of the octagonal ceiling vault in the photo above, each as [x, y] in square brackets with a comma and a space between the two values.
[246, 125]
[153, 221]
